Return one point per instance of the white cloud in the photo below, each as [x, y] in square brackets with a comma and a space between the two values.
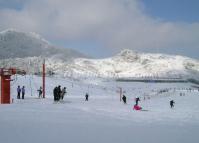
[116, 24]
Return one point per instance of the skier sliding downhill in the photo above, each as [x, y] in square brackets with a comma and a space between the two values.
[136, 106]
[136, 100]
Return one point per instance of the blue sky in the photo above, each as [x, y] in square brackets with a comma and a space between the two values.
[173, 10]
[12, 4]
[102, 28]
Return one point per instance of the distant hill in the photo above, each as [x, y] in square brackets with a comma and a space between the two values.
[27, 50]
[16, 44]
[130, 64]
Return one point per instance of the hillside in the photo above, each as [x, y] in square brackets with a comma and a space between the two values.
[102, 119]
[132, 64]
[16, 44]
[27, 51]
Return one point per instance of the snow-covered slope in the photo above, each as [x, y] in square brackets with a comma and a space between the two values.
[132, 64]
[16, 44]
[127, 64]
[103, 119]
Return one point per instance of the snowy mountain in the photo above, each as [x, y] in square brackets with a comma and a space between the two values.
[132, 64]
[127, 64]
[27, 50]
[16, 44]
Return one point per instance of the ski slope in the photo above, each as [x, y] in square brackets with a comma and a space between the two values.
[103, 119]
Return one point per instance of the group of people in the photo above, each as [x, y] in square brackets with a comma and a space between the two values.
[20, 91]
[59, 93]
[136, 106]
[137, 99]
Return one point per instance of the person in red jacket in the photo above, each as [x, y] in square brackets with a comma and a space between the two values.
[136, 107]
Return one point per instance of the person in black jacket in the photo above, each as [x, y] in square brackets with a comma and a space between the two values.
[172, 103]
[137, 99]
[86, 96]
[40, 92]
[124, 99]
[58, 92]
[55, 93]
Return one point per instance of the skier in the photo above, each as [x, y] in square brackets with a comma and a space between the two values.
[63, 91]
[137, 99]
[23, 92]
[58, 92]
[124, 99]
[172, 103]
[86, 96]
[18, 92]
[136, 107]
[55, 93]
[40, 92]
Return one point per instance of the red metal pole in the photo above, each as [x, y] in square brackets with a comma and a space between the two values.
[44, 74]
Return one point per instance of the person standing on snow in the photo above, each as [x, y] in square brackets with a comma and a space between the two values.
[55, 93]
[58, 92]
[23, 92]
[18, 92]
[86, 96]
[172, 103]
[63, 92]
[40, 92]
[124, 99]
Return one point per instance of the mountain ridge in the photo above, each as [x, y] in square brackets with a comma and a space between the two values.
[17, 44]
[133, 64]
[27, 51]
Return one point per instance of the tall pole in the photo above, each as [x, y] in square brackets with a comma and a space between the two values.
[120, 94]
[43, 79]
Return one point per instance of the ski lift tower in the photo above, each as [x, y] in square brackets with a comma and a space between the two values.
[44, 78]
[5, 78]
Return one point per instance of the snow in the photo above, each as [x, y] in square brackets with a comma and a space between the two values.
[18, 44]
[132, 64]
[103, 119]
[65, 62]
[31, 34]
